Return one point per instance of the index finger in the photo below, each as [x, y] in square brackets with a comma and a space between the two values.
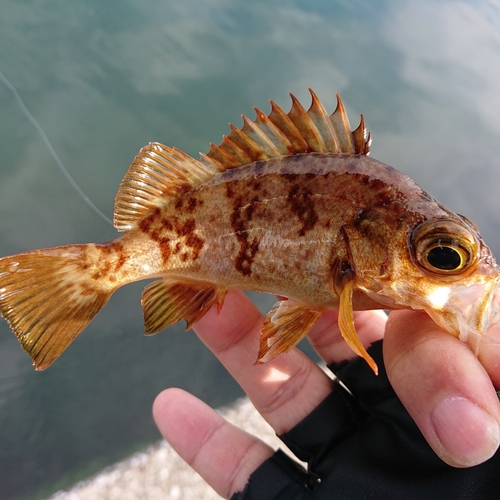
[284, 390]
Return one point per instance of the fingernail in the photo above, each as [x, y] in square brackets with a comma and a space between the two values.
[468, 434]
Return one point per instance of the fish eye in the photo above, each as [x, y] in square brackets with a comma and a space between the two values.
[444, 247]
[445, 258]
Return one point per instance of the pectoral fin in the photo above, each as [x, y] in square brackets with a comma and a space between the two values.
[286, 324]
[346, 325]
[165, 303]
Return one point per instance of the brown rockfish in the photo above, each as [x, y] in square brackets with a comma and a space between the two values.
[289, 204]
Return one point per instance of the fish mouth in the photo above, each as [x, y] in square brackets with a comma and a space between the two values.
[463, 309]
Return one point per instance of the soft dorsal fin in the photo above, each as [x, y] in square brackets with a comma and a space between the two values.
[157, 171]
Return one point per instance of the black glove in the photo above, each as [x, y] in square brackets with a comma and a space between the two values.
[365, 446]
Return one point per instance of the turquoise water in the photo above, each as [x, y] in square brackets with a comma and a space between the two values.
[105, 78]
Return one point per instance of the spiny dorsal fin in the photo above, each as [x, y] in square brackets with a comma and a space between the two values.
[159, 170]
[281, 134]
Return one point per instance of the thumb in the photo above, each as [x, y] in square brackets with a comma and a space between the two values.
[444, 388]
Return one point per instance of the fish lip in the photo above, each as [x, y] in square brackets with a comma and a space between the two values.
[463, 309]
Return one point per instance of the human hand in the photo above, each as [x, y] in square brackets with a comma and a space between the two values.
[433, 373]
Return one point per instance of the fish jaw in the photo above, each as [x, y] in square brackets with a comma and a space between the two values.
[463, 308]
[470, 305]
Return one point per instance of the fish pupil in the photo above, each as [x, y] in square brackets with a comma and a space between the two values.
[445, 258]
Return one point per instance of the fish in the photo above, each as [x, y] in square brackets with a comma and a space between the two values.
[289, 204]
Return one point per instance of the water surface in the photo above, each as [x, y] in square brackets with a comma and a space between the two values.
[105, 78]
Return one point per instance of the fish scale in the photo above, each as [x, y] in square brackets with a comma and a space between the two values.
[289, 204]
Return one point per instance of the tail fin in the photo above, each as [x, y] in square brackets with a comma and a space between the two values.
[49, 296]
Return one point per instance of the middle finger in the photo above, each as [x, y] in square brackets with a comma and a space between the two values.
[327, 341]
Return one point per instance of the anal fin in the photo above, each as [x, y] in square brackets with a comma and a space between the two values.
[346, 325]
[286, 324]
[167, 302]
